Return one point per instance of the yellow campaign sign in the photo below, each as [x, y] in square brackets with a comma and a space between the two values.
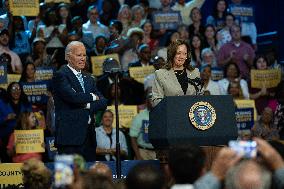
[265, 78]
[28, 141]
[11, 78]
[10, 174]
[247, 104]
[97, 63]
[139, 73]
[24, 7]
[126, 114]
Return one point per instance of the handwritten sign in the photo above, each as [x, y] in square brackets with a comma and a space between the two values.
[43, 73]
[139, 73]
[24, 7]
[166, 20]
[265, 78]
[11, 175]
[244, 118]
[28, 141]
[126, 114]
[97, 63]
[247, 104]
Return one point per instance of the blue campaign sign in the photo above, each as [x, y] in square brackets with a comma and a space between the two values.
[166, 20]
[243, 13]
[244, 118]
[145, 130]
[3, 73]
[217, 73]
[37, 92]
[51, 149]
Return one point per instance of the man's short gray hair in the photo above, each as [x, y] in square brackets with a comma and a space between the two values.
[236, 176]
[69, 47]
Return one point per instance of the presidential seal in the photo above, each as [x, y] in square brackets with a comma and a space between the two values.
[202, 115]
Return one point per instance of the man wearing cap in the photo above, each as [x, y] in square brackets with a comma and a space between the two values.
[16, 63]
[144, 55]
[76, 100]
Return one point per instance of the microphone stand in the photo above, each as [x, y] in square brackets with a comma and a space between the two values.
[118, 159]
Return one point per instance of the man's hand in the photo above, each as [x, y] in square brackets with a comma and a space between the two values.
[225, 159]
[269, 154]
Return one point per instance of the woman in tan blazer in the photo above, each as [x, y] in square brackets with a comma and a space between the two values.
[173, 79]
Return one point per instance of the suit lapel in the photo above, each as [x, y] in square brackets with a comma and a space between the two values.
[174, 81]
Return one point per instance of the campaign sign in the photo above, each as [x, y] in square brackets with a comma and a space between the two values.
[44, 73]
[166, 20]
[243, 13]
[51, 149]
[145, 130]
[244, 118]
[37, 92]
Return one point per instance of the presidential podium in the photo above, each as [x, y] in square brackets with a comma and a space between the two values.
[203, 120]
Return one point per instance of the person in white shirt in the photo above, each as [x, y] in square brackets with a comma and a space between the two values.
[93, 25]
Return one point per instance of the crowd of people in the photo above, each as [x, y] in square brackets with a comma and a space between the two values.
[65, 37]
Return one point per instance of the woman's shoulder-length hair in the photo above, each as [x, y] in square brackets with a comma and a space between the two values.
[171, 52]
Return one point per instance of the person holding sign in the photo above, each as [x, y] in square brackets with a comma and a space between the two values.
[262, 96]
[26, 121]
[178, 78]
[76, 100]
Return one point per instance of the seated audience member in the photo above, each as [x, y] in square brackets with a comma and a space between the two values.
[138, 14]
[100, 46]
[232, 73]
[208, 83]
[196, 45]
[210, 38]
[28, 74]
[125, 17]
[16, 63]
[140, 143]
[279, 115]
[237, 51]
[135, 38]
[262, 96]
[196, 27]
[217, 19]
[171, 37]
[148, 36]
[26, 121]
[106, 139]
[12, 104]
[93, 25]
[108, 11]
[248, 174]
[36, 175]
[158, 62]
[145, 176]
[186, 164]
[182, 30]
[100, 168]
[144, 56]
[224, 35]
[264, 127]
[20, 38]
[90, 180]
[235, 90]
[208, 57]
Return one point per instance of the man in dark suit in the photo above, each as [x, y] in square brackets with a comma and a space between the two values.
[76, 99]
